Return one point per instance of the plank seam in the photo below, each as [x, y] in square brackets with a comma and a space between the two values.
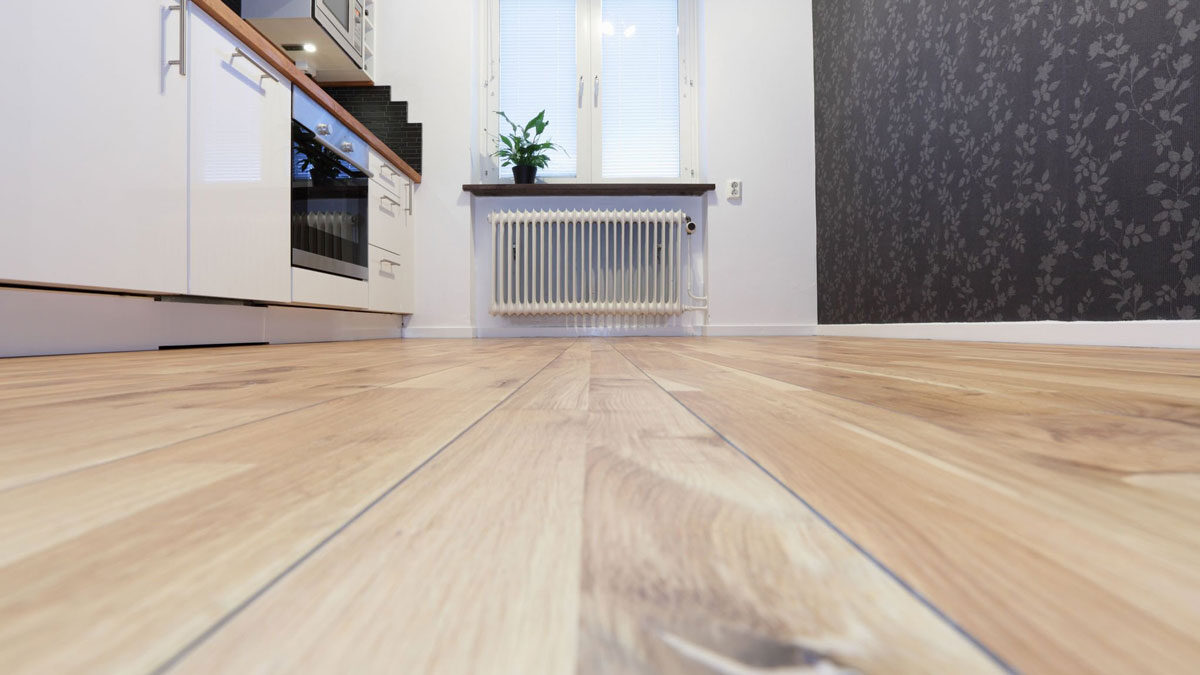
[214, 432]
[229, 616]
[824, 519]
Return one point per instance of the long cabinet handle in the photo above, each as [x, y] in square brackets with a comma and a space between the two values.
[238, 52]
[182, 60]
[385, 198]
[409, 187]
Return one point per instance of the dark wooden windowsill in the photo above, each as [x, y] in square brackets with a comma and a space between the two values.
[590, 189]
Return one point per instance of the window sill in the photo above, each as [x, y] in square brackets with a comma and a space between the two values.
[590, 189]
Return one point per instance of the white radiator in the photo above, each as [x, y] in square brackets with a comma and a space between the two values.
[588, 262]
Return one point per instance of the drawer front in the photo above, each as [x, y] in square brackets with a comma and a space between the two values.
[390, 178]
[391, 282]
[387, 224]
[328, 290]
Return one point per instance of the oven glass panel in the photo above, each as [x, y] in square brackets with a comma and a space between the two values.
[329, 209]
[340, 9]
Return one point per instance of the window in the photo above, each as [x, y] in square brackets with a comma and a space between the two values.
[614, 77]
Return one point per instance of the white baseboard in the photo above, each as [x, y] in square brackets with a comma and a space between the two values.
[452, 332]
[761, 330]
[44, 322]
[1170, 334]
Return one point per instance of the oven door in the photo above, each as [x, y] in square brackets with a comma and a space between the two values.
[343, 20]
[329, 208]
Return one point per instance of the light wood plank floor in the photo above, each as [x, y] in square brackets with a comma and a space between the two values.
[602, 506]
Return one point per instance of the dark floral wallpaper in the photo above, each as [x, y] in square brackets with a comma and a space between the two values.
[995, 160]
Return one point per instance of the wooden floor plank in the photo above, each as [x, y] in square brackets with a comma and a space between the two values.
[609, 532]
[472, 566]
[100, 414]
[914, 505]
[128, 593]
[938, 504]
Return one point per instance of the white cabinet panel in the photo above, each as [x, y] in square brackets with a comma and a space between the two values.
[391, 282]
[387, 223]
[93, 185]
[240, 169]
[390, 178]
[328, 290]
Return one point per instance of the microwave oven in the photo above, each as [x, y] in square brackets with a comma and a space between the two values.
[333, 29]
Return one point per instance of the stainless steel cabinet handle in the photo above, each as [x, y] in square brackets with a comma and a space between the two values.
[409, 188]
[182, 60]
[393, 263]
[385, 198]
[347, 146]
[596, 92]
[323, 129]
[238, 52]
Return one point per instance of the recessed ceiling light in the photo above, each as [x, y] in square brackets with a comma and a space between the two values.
[310, 47]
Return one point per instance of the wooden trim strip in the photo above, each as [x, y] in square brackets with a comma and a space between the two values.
[590, 189]
[278, 60]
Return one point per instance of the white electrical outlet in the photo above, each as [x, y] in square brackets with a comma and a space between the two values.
[734, 190]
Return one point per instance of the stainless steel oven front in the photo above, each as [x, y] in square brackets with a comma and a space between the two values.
[343, 20]
[330, 180]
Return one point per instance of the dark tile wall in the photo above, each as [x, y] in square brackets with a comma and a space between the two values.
[1000, 160]
[387, 119]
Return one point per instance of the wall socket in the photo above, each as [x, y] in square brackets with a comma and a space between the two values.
[734, 189]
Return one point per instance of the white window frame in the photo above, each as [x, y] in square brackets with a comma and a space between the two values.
[589, 60]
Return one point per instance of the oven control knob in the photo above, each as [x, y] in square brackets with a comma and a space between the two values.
[323, 129]
[347, 147]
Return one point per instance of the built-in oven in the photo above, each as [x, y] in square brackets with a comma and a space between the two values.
[330, 180]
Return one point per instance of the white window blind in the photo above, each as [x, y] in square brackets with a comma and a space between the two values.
[640, 89]
[538, 71]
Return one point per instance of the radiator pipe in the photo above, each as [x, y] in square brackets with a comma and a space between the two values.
[690, 228]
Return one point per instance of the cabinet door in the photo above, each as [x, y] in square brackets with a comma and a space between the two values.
[388, 176]
[391, 282]
[387, 220]
[240, 176]
[94, 177]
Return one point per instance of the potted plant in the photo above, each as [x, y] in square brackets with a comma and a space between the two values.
[524, 148]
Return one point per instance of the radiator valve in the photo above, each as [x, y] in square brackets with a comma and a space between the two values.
[691, 226]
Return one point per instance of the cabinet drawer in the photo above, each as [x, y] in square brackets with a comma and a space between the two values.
[387, 225]
[390, 178]
[328, 290]
[391, 282]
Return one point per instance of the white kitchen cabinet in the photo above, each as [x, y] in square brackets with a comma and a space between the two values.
[93, 187]
[391, 236]
[391, 288]
[387, 220]
[389, 177]
[240, 169]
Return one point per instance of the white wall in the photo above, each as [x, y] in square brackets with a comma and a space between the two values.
[427, 52]
[756, 125]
